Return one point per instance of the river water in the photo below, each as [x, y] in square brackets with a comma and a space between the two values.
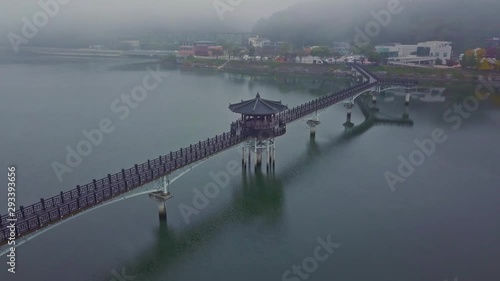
[440, 223]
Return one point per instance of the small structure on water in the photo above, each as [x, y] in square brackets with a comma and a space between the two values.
[259, 117]
[260, 124]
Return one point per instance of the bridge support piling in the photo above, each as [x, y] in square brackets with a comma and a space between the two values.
[406, 115]
[162, 211]
[312, 132]
[348, 124]
[313, 123]
[161, 197]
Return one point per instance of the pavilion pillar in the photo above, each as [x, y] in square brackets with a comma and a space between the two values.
[273, 156]
[268, 157]
[407, 100]
[258, 163]
[374, 99]
[249, 158]
[243, 158]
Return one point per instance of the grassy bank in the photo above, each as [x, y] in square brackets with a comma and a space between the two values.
[429, 73]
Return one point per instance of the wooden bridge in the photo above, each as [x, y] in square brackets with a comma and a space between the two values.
[32, 220]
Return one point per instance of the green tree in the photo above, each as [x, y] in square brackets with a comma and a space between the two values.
[438, 61]
[234, 51]
[226, 45]
[170, 59]
[251, 51]
[321, 52]
[336, 55]
[374, 57]
[469, 60]
[286, 48]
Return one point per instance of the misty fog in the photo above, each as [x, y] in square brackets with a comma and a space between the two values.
[100, 18]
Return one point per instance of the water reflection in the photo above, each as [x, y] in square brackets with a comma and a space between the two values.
[258, 196]
[427, 95]
[287, 84]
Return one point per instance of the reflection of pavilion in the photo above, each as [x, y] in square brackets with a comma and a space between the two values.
[258, 196]
[260, 125]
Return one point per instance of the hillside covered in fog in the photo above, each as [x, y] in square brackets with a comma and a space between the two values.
[466, 23]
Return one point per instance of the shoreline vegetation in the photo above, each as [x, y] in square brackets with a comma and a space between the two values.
[427, 76]
[383, 71]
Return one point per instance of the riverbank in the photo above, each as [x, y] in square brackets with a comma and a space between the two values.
[426, 76]
[432, 74]
[266, 68]
[422, 74]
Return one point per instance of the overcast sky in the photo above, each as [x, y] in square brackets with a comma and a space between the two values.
[108, 15]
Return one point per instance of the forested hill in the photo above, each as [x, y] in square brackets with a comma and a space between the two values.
[466, 23]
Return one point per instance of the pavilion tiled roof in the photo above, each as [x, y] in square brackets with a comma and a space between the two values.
[258, 106]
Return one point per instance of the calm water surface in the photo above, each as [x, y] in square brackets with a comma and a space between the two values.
[441, 223]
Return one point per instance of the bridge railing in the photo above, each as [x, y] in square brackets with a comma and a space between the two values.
[56, 208]
[401, 82]
[303, 110]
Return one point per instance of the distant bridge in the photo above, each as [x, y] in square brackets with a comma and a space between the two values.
[154, 176]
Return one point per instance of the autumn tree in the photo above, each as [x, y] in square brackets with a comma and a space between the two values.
[469, 60]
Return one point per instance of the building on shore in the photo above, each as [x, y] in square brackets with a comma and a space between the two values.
[309, 60]
[439, 49]
[342, 48]
[258, 42]
[423, 53]
[200, 48]
[492, 47]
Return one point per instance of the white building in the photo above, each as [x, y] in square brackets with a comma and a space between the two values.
[258, 42]
[439, 49]
[406, 50]
[422, 54]
[309, 60]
